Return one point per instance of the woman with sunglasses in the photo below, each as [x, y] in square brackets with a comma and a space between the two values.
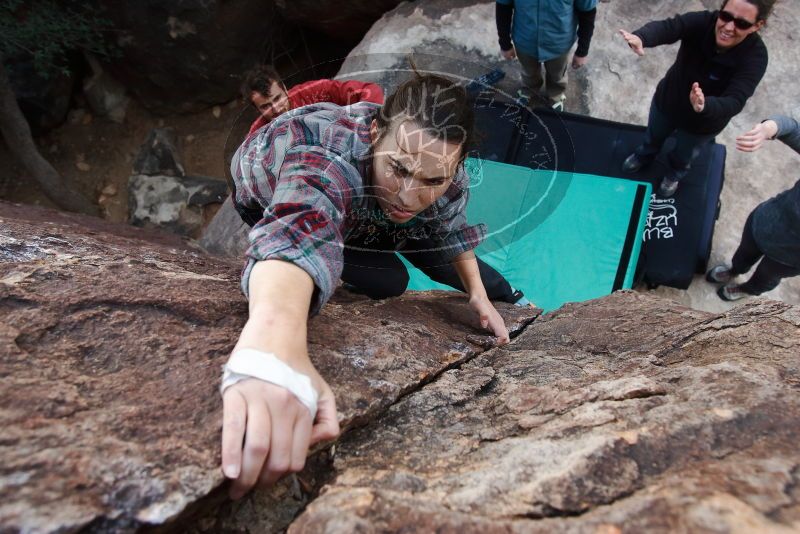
[720, 62]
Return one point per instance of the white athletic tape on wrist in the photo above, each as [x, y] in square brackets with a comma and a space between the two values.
[252, 363]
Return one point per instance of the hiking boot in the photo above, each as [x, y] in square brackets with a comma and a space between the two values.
[668, 187]
[731, 292]
[719, 274]
[634, 162]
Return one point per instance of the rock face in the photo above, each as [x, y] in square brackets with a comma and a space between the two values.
[104, 94]
[159, 154]
[160, 195]
[110, 353]
[111, 350]
[226, 234]
[622, 414]
[338, 19]
[182, 205]
[44, 101]
[627, 412]
[188, 56]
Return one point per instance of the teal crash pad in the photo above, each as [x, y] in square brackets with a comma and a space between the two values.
[559, 237]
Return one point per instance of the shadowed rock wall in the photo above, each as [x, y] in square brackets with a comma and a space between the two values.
[179, 57]
[343, 20]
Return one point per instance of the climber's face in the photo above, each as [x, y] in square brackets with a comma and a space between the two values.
[411, 168]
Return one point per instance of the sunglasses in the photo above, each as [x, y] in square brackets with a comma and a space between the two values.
[742, 24]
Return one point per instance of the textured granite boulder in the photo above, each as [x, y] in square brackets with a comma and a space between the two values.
[159, 154]
[184, 205]
[43, 99]
[161, 195]
[105, 95]
[625, 414]
[110, 349]
[226, 234]
[111, 342]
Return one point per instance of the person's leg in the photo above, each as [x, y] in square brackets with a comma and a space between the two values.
[748, 252]
[767, 276]
[374, 270]
[659, 127]
[531, 74]
[556, 79]
[687, 148]
[434, 264]
[746, 255]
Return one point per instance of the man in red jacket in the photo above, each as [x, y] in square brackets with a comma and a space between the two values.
[264, 88]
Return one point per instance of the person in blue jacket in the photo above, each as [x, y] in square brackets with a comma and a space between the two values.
[772, 231]
[543, 32]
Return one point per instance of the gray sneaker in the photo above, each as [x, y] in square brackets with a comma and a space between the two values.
[719, 274]
[731, 292]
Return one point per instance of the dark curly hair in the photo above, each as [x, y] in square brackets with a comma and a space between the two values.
[434, 103]
[259, 79]
[764, 7]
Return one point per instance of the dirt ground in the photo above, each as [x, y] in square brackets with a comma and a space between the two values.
[95, 154]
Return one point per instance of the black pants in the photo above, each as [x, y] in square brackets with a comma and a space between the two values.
[769, 272]
[687, 145]
[375, 270]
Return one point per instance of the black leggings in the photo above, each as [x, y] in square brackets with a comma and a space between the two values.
[375, 270]
[769, 272]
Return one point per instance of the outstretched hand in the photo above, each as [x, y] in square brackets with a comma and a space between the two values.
[697, 98]
[489, 318]
[754, 139]
[266, 431]
[634, 41]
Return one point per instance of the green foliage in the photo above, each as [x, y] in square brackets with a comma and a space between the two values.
[47, 30]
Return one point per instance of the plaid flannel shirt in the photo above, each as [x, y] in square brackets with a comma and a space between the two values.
[308, 172]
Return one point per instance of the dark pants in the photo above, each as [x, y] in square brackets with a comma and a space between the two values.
[375, 270]
[769, 272]
[687, 145]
